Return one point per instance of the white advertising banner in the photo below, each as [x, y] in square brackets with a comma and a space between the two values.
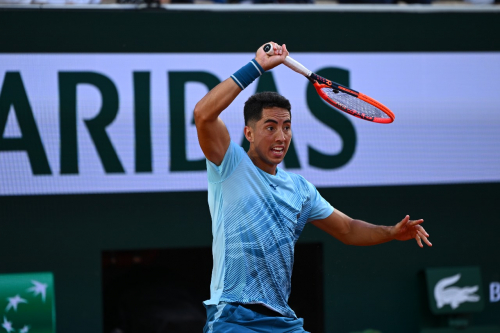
[100, 123]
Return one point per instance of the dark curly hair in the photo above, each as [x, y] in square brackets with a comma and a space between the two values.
[267, 99]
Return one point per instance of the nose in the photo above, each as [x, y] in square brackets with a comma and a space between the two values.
[280, 135]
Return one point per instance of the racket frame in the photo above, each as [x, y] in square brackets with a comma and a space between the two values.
[320, 82]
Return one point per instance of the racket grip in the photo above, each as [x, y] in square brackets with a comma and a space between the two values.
[289, 62]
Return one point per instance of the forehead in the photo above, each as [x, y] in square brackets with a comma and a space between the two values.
[275, 113]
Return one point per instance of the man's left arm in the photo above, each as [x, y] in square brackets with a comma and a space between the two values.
[356, 232]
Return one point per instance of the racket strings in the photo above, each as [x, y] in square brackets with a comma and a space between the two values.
[354, 103]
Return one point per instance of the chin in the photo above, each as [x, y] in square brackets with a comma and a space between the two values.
[276, 161]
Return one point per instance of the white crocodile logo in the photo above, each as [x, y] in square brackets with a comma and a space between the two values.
[453, 295]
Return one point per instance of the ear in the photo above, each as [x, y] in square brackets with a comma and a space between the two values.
[248, 133]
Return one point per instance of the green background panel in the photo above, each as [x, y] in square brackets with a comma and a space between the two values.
[469, 277]
[51, 30]
[381, 287]
[35, 310]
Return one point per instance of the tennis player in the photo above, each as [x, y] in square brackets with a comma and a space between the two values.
[259, 210]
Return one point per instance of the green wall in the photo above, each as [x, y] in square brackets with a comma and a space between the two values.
[379, 287]
[210, 31]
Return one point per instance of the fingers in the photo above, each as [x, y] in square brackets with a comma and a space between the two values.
[270, 57]
[405, 220]
[419, 238]
[421, 229]
[422, 235]
[419, 241]
[285, 50]
[275, 50]
[414, 227]
[415, 222]
[411, 223]
[278, 49]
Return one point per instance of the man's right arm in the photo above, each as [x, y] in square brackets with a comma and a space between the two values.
[212, 133]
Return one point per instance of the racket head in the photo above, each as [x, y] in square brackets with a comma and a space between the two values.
[352, 102]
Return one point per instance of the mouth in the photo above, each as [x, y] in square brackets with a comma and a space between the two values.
[278, 151]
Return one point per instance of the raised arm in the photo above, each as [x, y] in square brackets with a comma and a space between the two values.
[212, 133]
[357, 232]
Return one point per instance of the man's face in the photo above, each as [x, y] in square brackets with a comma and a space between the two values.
[270, 138]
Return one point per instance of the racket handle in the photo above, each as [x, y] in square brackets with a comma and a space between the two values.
[289, 62]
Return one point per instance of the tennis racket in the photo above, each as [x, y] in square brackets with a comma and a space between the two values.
[342, 98]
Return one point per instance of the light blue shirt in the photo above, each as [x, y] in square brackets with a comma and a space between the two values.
[256, 220]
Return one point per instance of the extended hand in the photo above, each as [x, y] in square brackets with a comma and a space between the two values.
[270, 61]
[408, 229]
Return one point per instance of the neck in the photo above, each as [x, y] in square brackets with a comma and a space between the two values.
[259, 163]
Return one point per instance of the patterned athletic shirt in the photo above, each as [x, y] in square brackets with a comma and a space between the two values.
[256, 220]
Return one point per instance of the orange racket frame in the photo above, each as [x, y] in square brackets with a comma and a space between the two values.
[314, 78]
[320, 82]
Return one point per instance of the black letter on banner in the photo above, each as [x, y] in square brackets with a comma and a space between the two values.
[334, 119]
[266, 83]
[68, 82]
[13, 94]
[177, 83]
[142, 116]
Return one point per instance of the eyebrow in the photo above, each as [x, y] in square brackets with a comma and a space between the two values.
[275, 122]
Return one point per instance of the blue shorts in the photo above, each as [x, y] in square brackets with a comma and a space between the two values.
[229, 318]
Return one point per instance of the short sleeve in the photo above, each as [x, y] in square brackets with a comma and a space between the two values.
[320, 208]
[219, 173]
